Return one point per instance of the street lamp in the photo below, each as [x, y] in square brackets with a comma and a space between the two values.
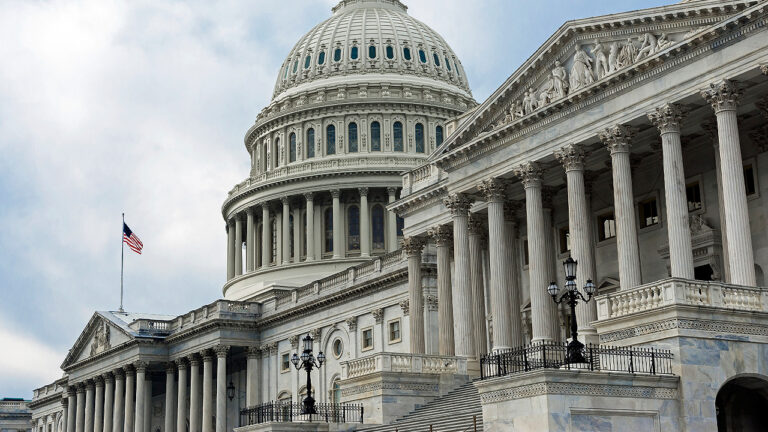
[572, 296]
[307, 361]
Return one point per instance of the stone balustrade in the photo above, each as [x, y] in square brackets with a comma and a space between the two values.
[404, 362]
[228, 309]
[682, 292]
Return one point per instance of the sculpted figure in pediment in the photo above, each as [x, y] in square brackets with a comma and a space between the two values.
[100, 342]
[662, 42]
[601, 60]
[613, 58]
[529, 102]
[559, 81]
[647, 47]
[519, 111]
[627, 54]
[581, 71]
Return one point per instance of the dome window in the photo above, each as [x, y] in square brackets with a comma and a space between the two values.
[321, 58]
[390, 52]
[295, 65]
[397, 136]
[422, 56]
[292, 150]
[438, 135]
[375, 136]
[419, 137]
[330, 138]
[353, 232]
[328, 228]
[437, 59]
[447, 63]
[307, 61]
[337, 55]
[352, 134]
[377, 225]
[372, 51]
[353, 54]
[407, 53]
[311, 143]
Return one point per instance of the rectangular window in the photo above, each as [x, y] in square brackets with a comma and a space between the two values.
[285, 362]
[648, 212]
[749, 179]
[367, 335]
[394, 331]
[693, 193]
[565, 239]
[606, 226]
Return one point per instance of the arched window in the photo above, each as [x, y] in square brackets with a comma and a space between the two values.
[437, 59]
[422, 56]
[276, 153]
[375, 136]
[295, 65]
[285, 75]
[336, 391]
[307, 61]
[390, 52]
[438, 135]
[328, 230]
[400, 226]
[353, 53]
[330, 140]
[377, 226]
[447, 63]
[337, 55]
[372, 51]
[353, 232]
[274, 241]
[419, 137]
[321, 58]
[397, 136]
[352, 133]
[407, 53]
[311, 143]
[292, 151]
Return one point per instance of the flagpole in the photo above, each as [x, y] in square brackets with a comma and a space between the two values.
[122, 260]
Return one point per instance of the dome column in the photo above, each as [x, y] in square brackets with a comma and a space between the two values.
[230, 250]
[250, 242]
[266, 237]
[296, 233]
[392, 223]
[310, 229]
[337, 225]
[238, 245]
[365, 224]
[286, 230]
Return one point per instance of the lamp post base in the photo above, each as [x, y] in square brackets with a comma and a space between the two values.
[308, 405]
[575, 352]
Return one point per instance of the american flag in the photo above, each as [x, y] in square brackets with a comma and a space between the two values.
[132, 240]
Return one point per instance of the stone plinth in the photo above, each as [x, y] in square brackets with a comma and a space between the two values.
[573, 401]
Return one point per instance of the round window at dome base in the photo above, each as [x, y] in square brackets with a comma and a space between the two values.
[338, 348]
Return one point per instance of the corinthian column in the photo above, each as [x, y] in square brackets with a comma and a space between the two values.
[170, 378]
[477, 231]
[266, 244]
[413, 246]
[310, 226]
[253, 377]
[109, 398]
[89, 388]
[194, 393]
[221, 386]
[391, 222]
[618, 140]
[724, 98]
[230, 250]
[238, 245]
[459, 205]
[181, 397]
[130, 392]
[504, 309]
[141, 397]
[365, 224]
[442, 237]
[710, 126]
[338, 233]
[98, 405]
[668, 118]
[542, 307]
[71, 409]
[511, 209]
[119, 405]
[207, 421]
[297, 234]
[80, 419]
[572, 158]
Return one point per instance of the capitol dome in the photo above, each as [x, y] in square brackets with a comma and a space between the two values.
[363, 97]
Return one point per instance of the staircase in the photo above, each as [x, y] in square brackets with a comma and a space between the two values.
[450, 413]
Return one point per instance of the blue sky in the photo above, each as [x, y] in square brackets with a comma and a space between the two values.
[141, 106]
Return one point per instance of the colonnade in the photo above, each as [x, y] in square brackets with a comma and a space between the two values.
[456, 296]
[376, 229]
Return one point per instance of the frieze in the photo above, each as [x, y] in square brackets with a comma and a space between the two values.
[578, 389]
[366, 388]
[718, 327]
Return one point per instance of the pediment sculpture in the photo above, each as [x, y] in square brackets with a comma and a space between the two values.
[100, 341]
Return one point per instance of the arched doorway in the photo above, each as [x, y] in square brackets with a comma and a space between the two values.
[742, 405]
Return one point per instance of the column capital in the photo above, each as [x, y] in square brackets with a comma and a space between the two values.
[391, 190]
[431, 302]
[378, 315]
[71, 391]
[65, 400]
[254, 352]
[80, 388]
[668, 117]
[315, 333]
[413, 245]
[141, 366]
[194, 359]
[458, 203]
[207, 355]
[363, 191]
[221, 351]
[98, 381]
[405, 305]
[335, 193]
[129, 370]
[89, 384]
[571, 156]
[476, 225]
[119, 374]
[723, 95]
[764, 69]
[181, 364]
[309, 196]
[294, 341]
[351, 323]
[442, 235]
[170, 367]
[618, 139]
[529, 173]
[249, 211]
[285, 200]
[493, 189]
[108, 377]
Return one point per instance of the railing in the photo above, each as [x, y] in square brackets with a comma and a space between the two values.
[681, 291]
[156, 327]
[549, 355]
[286, 412]
[404, 362]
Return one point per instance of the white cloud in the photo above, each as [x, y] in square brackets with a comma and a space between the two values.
[24, 362]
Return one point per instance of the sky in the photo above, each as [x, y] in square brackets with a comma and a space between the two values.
[141, 107]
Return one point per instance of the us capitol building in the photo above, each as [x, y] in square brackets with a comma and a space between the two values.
[413, 234]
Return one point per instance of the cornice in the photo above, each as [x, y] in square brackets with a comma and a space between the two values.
[420, 199]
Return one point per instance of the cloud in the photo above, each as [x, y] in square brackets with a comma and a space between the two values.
[25, 362]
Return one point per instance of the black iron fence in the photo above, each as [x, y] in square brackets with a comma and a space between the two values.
[549, 355]
[291, 412]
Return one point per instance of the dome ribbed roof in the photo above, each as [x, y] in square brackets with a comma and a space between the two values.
[365, 39]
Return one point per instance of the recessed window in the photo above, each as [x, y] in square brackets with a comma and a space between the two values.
[328, 230]
[648, 211]
[372, 52]
[419, 137]
[565, 239]
[311, 143]
[285, 75]
[377, 224]
[353, 233]
[337, 55]
[285, 362]
[438, 135]
[394, 331]
[447, 63]
[330, 140]
[321, 58]
[295, 65]
[749, 179]
[367, 339]
[526, 253]
[397, 136]
[437, 59]
[307, 61]
[400, 226]
[352, 134]
[693, 193]
[423, 56]
[338, 348]
[390, 52]
[375, 136]
[292, 150]
[606, 226]
[407, 53]
[353, 54]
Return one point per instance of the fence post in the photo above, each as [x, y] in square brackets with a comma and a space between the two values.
[544, 353]
[498, 364]
[591, 358]
[482, 367]
[525, 358]
[653, 361]
[631, 364]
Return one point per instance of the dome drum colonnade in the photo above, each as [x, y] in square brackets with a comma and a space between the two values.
[459, 316]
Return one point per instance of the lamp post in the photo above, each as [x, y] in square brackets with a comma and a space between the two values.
[572, 296]
[307, 362]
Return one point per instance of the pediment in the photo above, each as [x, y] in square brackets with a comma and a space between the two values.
[588, 55]
[99, 335]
